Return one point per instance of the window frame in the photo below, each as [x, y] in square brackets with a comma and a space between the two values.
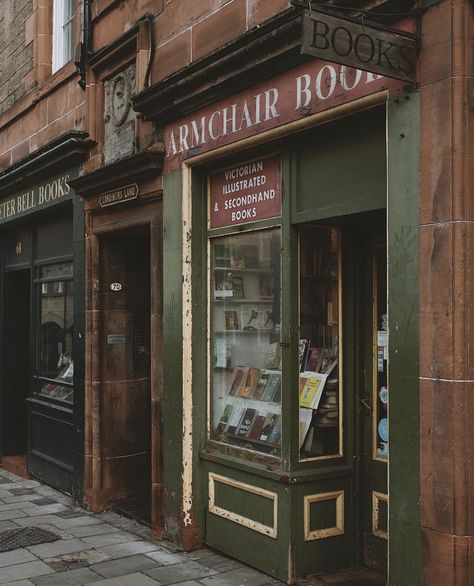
[38, 378]
[62, 35]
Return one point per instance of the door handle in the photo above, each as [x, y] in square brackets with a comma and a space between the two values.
[367, 405]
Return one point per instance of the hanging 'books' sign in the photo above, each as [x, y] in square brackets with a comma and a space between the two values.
[359, 44]
[246, 193]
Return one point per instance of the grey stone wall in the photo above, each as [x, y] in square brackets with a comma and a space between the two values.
[16, 58]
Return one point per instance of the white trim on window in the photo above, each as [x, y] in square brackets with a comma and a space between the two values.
[63, 19]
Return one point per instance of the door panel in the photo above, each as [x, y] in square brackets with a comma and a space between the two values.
[374, 411]
[16, 360]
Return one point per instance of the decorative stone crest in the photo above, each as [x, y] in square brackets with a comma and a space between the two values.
[119, 117]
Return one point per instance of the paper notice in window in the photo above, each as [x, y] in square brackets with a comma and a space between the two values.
[382, 338]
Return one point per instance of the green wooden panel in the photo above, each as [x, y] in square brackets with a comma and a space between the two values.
[383, 515]
[340, 168]
[172, 350]
[79, 342]
[54, 238]
[329, 553]
[269, 554]
[322, 514]
[403, 251]
[17, 246]
[199, 291]
[246, 504]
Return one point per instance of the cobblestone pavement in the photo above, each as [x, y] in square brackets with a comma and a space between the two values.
[103, 547]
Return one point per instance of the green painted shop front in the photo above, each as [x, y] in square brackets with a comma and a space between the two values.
[42, 317]
[317, 287]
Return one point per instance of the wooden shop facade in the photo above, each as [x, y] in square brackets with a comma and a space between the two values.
[287, 196]
[219, 308]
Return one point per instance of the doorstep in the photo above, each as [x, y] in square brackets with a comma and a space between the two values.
[350, 577]
[16, 465]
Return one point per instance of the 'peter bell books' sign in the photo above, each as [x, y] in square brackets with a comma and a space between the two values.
[245, 193]
[40, 196]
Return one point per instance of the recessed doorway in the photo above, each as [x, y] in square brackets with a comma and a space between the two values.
[125, 370]
[16, 365]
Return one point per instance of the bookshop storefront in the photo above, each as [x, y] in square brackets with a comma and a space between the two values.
[290, 303]
[293, 200]
[41, 323]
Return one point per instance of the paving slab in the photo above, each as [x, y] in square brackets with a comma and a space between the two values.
[75, 522]
[165, 558]
[109, 538]
[22, 498]
[241, 577]
[12, 506]
[177, 573]
[47, 550]
[75, 560]
[12, 514]
[36, 520]
[72, 578]
[123, 566]
[22, 571]
[20, 583]
[122, 550]
[7, 525]
[90, 530]
[32, 509]
[136, 579]
[16, 556]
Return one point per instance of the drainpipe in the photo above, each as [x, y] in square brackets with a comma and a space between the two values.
[83, 49]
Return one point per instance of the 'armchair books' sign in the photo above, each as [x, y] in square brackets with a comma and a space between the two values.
[363, 45]
[245, 193]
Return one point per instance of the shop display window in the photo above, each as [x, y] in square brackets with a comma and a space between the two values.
[245, 341]
[55, 365]
[319, 388]
[380, 344]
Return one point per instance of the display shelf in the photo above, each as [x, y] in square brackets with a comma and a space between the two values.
[244, 270]
[252, 441]
[266, 301]
[243, 332]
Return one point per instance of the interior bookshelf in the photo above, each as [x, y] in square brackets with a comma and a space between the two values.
[245, 320]
[319, 356]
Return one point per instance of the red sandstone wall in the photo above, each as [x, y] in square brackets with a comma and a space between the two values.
[44, 106]
[446, 294]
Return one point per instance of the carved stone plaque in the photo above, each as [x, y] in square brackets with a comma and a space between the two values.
[119, 117]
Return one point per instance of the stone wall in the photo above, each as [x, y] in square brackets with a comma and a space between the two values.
[16, 51]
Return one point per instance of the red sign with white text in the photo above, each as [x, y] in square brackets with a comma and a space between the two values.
[311, 88]
[245, 193]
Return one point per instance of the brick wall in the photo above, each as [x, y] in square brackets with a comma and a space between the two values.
[16, 52]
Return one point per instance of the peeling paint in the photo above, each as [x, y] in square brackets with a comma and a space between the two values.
[187, 350]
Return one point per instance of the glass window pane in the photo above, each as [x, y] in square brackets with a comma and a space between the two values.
[56, 271]
[56, 334]
[245, 341]
[319, 357]
[68, 10]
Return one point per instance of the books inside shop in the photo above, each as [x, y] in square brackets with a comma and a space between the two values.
[319, 355]
[245, 324]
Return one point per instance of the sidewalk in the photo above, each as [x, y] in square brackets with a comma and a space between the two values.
[84, 548]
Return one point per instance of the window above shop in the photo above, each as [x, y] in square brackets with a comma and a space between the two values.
[63, 33]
